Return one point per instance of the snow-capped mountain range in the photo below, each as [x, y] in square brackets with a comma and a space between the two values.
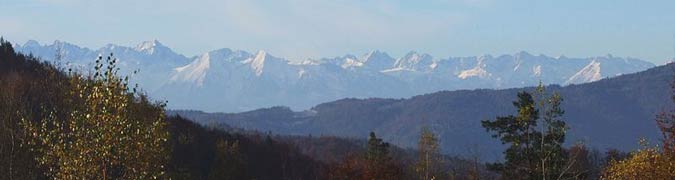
[233, 80]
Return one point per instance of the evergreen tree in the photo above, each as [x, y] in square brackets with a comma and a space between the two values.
[379, 164]
[377, 150]
[532, 153]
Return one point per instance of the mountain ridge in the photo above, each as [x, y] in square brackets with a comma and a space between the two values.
[236, 80]
[609, 113]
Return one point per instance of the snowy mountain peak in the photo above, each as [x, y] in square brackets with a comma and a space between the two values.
[263, 60]
[373, 52]
[31, 43]
[374, 55]
[415, 62]
[193, 72]
[477, 71]
[149, 46]
[64, 46]
[590, 73]
[375, 60]
[523, 55]
[351, 63]
[220, 53]
[258, 62]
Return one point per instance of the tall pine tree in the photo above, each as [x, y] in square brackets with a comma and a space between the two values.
[379, 164]
[535, 137]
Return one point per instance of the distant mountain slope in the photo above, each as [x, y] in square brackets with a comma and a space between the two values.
[612, 112]
[226, 80]
[152, 60]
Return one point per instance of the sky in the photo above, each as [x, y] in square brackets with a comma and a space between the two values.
[301, 29]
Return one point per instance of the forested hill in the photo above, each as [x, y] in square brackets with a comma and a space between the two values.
[33, 92]
[610, 113]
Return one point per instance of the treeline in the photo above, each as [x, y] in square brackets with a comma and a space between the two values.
[60, 124]
[27, 86]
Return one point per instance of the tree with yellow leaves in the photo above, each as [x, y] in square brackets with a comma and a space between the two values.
[428, 165]
[646, 163]
[111, 132]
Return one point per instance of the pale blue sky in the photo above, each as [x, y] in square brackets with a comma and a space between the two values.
[299, 29]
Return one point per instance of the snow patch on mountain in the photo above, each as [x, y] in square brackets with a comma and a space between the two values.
[351, 63]
[377, 60]
[478, 71]
[147, 46]
[414, 61]
[475, 72]
[589, 73]
[193, 72]
[257, 63]
[537, 71]
[301, 73]
[309, 62]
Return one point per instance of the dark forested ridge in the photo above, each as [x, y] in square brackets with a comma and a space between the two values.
[24, 88]
[612, 112]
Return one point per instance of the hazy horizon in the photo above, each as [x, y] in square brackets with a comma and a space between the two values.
[299, 29]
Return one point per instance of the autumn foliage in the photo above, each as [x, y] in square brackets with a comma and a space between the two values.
[110, 132]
